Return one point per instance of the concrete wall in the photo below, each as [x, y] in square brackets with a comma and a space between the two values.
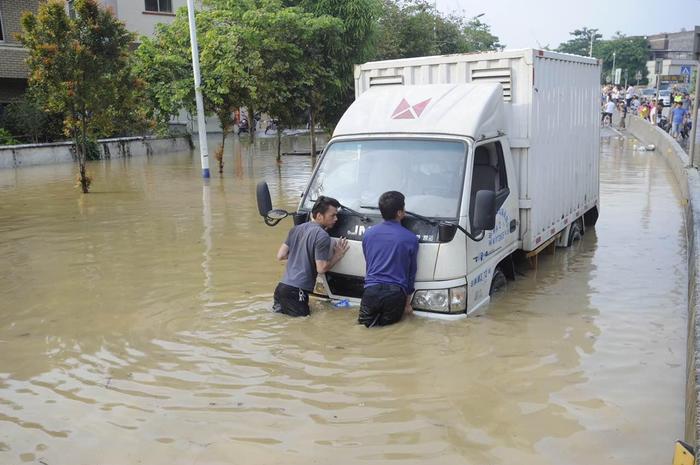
[689, 184]
[16, 156]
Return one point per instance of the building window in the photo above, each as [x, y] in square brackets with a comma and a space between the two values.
[160, 6]
[2, 34]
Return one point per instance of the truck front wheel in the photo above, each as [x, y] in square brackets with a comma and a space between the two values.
[499, 281]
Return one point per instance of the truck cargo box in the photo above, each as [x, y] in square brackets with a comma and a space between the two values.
[551, 103]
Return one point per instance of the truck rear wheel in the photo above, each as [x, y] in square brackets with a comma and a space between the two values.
[499, 281]
[575, 232]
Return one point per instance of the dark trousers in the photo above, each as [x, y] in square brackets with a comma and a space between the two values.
[382, 304]
[291, 300]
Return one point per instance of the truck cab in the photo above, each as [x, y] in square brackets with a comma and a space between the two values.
[423, 144]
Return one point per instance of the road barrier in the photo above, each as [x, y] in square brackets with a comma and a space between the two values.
[688, 181]
[16, 156]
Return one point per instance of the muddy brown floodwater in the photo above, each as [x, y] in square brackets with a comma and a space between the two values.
[135, 328]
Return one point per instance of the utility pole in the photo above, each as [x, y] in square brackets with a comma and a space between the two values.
[590, 50]
[613, 69]
[201, 124]
[694, 111]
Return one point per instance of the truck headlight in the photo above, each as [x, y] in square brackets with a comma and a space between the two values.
[441, 300]
[319, 288]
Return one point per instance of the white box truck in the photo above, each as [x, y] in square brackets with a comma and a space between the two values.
[495, 153]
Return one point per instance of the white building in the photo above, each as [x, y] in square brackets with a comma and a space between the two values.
[671, 54]
[141, 16]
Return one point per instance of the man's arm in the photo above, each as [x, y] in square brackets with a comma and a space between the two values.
[339, 251]
[283, 252]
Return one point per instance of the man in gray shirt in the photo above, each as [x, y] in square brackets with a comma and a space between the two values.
[308, 252]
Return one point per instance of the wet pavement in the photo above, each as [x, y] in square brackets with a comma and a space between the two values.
[135, 328]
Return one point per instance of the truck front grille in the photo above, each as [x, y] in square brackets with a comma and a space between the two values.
[344, 285]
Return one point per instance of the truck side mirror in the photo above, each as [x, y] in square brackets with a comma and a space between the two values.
[262, 193]
[300, 218]
[272, 216]
[484, 211]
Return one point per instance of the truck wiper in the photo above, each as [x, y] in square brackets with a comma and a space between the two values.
[354, 213]
[414, 215]
[350, 211]
[434, 223]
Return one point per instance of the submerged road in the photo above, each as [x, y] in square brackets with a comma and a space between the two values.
[135, 328]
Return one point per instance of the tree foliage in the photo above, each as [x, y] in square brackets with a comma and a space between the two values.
[415, 28]
[631, 53]
[294, 73]
[226, 61]
[580, 42]
[352, 43]
[27, 121]
[261, 55]
[293, 59]
[80, 68]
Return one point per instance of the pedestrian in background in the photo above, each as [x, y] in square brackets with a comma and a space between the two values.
[634, 107]
[622, 110]
[629, 95]
[687, 103]
[608, 110]
[678, 115]
[653, 112]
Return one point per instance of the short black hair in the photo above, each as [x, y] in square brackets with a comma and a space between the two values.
[322, 205]
[390, 203]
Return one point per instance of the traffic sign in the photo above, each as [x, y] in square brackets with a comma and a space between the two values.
[685, 70]
[638, 76]
[618, 75]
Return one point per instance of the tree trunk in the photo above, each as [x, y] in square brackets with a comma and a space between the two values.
[82, 156]
[220, 150]
[84, 183]
[279, 144]
[312, 133]
[251, 123]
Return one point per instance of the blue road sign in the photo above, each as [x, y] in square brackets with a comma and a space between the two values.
[685, 70]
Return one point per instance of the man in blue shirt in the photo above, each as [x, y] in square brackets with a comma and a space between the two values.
[390, 254]
[677, 119]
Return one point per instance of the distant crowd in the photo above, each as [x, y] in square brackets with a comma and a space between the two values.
[669, 109]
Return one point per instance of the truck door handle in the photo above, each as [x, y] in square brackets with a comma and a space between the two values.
[513, 225]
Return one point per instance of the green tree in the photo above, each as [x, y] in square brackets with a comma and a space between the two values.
[226, 64]
[580, 43]
[478, 37]
[282, 37]
[26, 120]
[415, 28]
[630, 52]
[79, 67]
[631, 55]
[345, 30]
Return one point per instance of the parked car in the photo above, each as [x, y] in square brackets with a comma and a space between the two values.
[648, 93]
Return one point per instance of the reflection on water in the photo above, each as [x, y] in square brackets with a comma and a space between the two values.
[135, 328]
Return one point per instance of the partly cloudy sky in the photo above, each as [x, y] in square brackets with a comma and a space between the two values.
[537, 23]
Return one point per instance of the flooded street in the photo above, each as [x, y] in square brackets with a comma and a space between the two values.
[135, 328]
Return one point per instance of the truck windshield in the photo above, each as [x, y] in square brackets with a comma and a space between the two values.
[429, 173]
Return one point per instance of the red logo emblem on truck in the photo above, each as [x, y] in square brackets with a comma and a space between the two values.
[406, 111]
